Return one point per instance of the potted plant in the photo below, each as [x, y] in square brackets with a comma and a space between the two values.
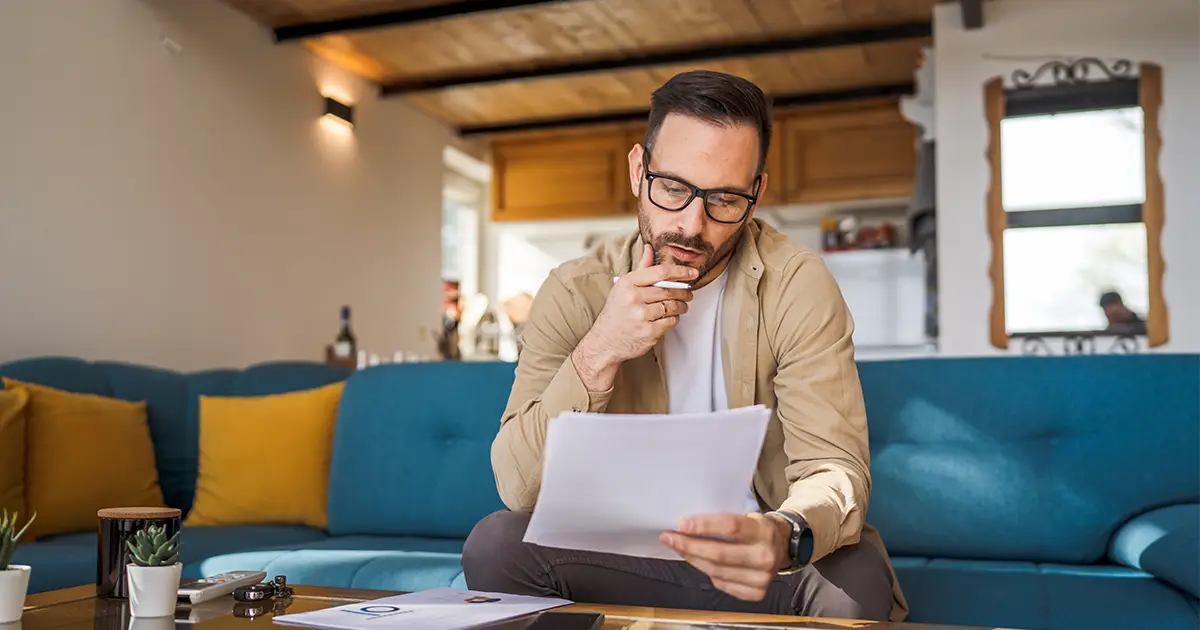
[14, 578]
[153, 572]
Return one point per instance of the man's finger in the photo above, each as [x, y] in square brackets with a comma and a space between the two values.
[733, 575]
[672, 308]
[659, 294]
[649, 275]
[731, 526]
[661, 326]
[741, 591]
[647, 256]
[716, 551]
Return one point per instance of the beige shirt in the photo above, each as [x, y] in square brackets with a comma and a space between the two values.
[785, 343]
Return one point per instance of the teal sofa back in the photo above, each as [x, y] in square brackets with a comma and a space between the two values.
[1030, 458]
[412, 449]
[172, 400]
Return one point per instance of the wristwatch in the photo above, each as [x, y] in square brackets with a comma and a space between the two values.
[800, 542]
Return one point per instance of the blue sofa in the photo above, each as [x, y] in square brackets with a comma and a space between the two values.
[1024, 492]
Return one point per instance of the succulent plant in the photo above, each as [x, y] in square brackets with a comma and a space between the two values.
[150, 547]
[10, 537]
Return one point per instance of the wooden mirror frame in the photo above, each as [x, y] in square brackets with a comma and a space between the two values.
[1150, 99]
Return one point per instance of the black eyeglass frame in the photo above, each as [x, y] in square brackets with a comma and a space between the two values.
[696, 191]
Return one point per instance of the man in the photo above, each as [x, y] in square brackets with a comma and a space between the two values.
[1120, 318]
[763, 323]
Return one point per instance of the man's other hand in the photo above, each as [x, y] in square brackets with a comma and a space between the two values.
[740, 553]
[635, 316]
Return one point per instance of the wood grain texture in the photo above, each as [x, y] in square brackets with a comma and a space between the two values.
[859, 152]
[1153, 212]
[572, 176]
[993, 96]
[630, 90]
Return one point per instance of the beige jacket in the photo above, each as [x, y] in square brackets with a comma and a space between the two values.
[785, 343]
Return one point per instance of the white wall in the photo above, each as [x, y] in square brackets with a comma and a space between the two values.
[188, 209]
[1026, 33]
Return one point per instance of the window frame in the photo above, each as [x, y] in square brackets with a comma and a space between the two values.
[1071, 92]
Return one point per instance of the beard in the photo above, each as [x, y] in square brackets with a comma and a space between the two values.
[711, 256]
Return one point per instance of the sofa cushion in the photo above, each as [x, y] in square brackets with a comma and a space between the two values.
[412, 452]
[1021, 458]
[382, 562]
[347, 568]
[83, 453]
[1164, 543]
[1044, 596]
[296, 427]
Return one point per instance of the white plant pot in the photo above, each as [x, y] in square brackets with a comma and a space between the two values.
[153, 591]
[14, 583]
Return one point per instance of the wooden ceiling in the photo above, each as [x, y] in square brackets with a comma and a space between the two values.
[493, 65]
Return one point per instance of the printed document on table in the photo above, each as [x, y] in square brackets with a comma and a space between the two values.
[436, 609]
[613, 483]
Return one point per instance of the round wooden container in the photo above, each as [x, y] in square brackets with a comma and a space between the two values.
[116, 526]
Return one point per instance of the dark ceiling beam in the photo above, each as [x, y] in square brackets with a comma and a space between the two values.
[778, 101]
[404, 17]
[718, 52]
[972, 14]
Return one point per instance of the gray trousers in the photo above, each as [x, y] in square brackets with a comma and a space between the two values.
[854, 582]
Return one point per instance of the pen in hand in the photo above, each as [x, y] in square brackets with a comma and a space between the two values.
[663, 284]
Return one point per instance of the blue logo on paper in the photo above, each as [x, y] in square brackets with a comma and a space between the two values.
[377, 611]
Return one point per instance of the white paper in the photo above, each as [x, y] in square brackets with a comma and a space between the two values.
[436, 609]
[613, 483]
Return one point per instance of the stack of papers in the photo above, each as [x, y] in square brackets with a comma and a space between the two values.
[437, 609]
[613, 483]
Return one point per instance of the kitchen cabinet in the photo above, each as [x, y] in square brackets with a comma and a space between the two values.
[569, 177]
[866, 152]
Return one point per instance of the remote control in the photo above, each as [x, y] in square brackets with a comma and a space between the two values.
[215, 586]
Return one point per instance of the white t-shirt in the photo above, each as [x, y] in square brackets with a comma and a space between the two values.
[692, 359]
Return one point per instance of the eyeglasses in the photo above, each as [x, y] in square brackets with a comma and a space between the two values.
[721, 205]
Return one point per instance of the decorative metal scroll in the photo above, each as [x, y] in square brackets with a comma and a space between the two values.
[1079, 344]
[1072, 72]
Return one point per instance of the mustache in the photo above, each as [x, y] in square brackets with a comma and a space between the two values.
[682, 240]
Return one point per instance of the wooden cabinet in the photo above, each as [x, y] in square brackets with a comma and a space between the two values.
[569, 177]
[862, 153]
[836, 153]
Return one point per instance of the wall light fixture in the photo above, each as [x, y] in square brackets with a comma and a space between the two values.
[339, 111]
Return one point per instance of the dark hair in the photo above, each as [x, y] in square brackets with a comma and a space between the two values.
[714, 97]
[1109, 298]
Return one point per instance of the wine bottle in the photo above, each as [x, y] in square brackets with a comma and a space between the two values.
[345, 346]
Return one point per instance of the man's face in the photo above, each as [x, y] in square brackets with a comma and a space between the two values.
[707, 156]
[1116, 313]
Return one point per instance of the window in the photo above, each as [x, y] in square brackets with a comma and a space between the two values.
[1075, 204]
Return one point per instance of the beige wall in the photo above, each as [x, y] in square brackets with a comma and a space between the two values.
[187, 208]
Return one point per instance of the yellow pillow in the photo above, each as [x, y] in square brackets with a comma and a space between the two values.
[12, 451]
[265, 459]
[84, 453]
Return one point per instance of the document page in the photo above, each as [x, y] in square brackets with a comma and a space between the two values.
[613, 483]
[435, 609]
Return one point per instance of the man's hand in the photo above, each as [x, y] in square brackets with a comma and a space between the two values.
[636, 315]
[751, 550]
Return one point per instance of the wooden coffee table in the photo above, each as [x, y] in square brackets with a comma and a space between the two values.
[78, 608]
